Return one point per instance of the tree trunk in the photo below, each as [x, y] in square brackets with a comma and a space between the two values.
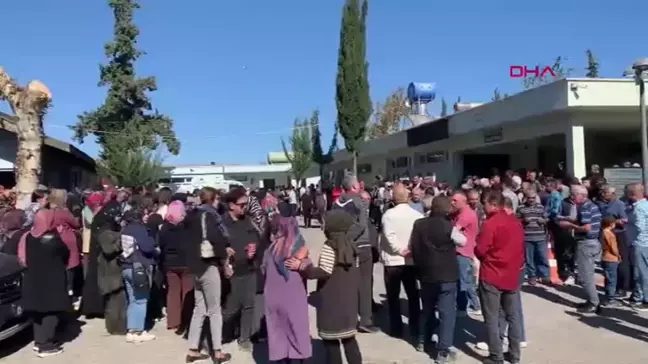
[29, 104]
[355, 163]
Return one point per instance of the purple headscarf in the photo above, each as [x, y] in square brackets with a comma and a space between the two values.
[286, 242]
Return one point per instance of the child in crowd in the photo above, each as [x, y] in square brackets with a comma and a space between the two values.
[610, 260]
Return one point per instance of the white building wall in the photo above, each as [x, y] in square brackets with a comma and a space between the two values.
[566, 108]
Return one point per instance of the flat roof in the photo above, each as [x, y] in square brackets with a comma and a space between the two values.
[8, 122]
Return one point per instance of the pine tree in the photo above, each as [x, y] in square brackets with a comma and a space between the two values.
[136, 168]
[352, 86]
[592, 65]
[319, 157]
[127, 119]
[300, 154]
[444, 108]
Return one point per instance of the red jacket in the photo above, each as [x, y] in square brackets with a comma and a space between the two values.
[500, 248]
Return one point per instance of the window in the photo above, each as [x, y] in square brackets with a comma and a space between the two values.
[364, 168]
[239, 178]
[402, 162]
[436, 157]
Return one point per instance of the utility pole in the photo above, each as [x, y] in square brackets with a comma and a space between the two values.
[640, 68]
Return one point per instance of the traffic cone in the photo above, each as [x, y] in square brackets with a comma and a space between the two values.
[554, 277]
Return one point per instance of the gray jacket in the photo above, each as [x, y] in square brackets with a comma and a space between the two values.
[359, 208]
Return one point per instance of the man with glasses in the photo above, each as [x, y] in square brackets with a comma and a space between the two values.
[243, 240]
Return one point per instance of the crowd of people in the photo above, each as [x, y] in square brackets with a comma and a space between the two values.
[221, 266]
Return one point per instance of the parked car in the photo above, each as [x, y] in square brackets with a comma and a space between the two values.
[12, 318]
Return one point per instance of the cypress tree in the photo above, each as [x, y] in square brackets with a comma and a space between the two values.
[352, 86]
[127, 120]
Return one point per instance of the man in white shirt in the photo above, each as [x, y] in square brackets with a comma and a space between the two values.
[397, 224]
[292, 199]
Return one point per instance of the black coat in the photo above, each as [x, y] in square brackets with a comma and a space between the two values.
[433, 250]
[105, 219]
[45, 280]
[173, 245]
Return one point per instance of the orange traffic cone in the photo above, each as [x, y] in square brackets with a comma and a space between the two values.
[553, 263]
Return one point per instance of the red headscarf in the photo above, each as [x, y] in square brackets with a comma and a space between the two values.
[43, 223]
[95, 200]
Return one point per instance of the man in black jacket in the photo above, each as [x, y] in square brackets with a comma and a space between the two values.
[433, 248]
[244, 239]
[353, 203]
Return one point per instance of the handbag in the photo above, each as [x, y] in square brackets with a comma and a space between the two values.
[206, 247]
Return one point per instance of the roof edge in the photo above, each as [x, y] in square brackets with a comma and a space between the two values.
[8, 122]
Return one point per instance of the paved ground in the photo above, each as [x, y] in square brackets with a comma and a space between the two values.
[556, 334]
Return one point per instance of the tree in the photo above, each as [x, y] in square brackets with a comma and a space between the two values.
[496, 95]
[138, 167]
[127, 117]
[30, 105]
[444, 108]
[559, 70]
[592, 65]
[388, 116]
[300, 155]
[352, 86]
[318, 155]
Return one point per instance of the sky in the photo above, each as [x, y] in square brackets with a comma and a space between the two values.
[235, 74]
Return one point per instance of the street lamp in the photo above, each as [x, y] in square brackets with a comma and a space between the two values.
[640, 69]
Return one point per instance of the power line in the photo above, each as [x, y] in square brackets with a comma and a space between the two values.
[268, 132]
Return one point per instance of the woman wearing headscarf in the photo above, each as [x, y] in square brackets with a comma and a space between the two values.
[137, 260]
[285, 296]
[107, 218]
[12, 230]
[66, 224]
[337, 288]
[44, 289]
[172, 239]
[94, 203]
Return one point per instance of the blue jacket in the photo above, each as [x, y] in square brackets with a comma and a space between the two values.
[137, 246]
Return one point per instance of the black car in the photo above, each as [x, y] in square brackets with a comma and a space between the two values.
[12, 318]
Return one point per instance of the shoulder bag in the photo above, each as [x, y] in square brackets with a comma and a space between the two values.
[206, 247]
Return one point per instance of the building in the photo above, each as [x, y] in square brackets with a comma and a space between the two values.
[274, 174]
[571, 122]
[63, 165]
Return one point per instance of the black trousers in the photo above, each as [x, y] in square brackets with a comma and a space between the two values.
[45, 327]
[240, 294]
[565, 250]
[394, 276]
[365, 288]
[625, 277]
[333, 354]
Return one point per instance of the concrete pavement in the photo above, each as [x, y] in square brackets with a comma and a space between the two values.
[556, 335]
